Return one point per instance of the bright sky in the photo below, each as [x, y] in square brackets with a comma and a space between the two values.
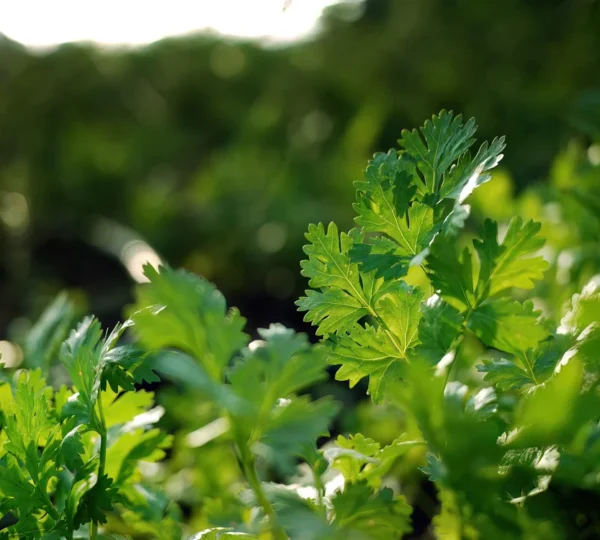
[42, 23]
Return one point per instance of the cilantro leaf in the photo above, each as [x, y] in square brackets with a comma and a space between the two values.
[439, 327]
[382, 255]
[507, 325]
[508, 264]
[367, 352]
[584, 310]
[182, 310]
[376, 515]
[345, 294]
[399, 308]
[85, 481]
[44, 338]
[265, 378]
[383, 204]
[468, 174]
[384, 196]
[452, 275]
[15, 485]
[328, 263]
[332, 310]
[131, 447]
[361, 458]
[293, 424]
[379, 351]
[439, 143]
[527, 368]
[81, 356]
[97, 500]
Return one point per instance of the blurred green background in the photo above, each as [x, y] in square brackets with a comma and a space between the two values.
[216, 154]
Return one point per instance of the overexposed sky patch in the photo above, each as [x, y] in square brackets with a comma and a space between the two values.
[44, 23]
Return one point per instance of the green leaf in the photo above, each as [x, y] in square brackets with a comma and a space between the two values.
[43, 340]
[332, 310]
[265, 379]
[291, 425]
[384, 196]
[468, 174]
[378, 352]
[437, 145]
[451, 275]
[15, 485]
[350, 455]
[585, 310]
[124, 366]
[28, 421]
[96, 501]
[434, 469]
[509, 264]
[81, 356]
[386, 457]
[328, 263]
[362, 458]
[440, 150]
[345, 294]
[507, 325]
[279, 366]
[382, 255]
[556, 411]
[398, 306]
[505, 374]
[72, 445]
[528, 368]
[182, 310]
[367, 352]
[384, 204]
[82, 484]
[376, 515]
[439, 327]
[131, 447]
[122, 408]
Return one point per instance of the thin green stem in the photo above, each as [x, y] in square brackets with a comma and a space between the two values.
[320, 487]
[49, 506]
[456, 343]
[102, 464]
[249, 467]
[103, 437]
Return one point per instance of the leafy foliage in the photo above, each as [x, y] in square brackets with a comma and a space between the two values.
[544, 376]
[57, 444]
[498, 400]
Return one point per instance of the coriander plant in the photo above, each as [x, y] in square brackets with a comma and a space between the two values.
[501, 404]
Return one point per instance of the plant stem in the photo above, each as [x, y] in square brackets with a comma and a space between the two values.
[251, 475]
[320, 489]
[103, 438]
[458, 340]
[102, 465]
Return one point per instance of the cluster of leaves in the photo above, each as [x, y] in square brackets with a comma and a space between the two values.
[505, 403]
[69, 456]
[199, 344]
[396, 301]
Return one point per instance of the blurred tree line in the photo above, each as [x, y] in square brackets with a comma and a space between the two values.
[218, 153]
